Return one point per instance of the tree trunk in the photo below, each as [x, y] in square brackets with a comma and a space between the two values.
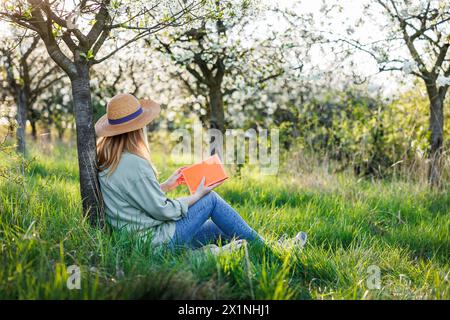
[11, 126]
[86, 145]
[33, 130]
[217, 119]
[60, 133]
[21, 118]
[21, 99]
[436, 127]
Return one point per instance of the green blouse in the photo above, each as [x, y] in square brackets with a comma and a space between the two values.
[134, 200]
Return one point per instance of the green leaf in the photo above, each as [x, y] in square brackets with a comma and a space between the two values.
[87, 55]
[90, 54]
[115, 4]
[27, 14]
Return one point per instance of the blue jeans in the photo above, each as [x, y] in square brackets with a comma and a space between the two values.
[211, 218]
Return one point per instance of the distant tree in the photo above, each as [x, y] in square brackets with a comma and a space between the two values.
[75, 48]
[28, 75]
[217, 57]
[56, 110]
[425, 28]
[415, 39]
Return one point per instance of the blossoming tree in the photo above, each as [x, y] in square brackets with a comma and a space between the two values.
[74, 38]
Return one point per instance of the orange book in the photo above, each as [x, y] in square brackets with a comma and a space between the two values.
[210, 168]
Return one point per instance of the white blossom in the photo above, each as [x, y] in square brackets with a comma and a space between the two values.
[442, 81]
[408, 66]
[373, 87]
[66, 99]
[94, 82]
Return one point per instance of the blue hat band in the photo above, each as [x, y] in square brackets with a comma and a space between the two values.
[127, 118]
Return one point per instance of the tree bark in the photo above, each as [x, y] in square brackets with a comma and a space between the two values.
[86, 144]
[436, 128]
[217, 115]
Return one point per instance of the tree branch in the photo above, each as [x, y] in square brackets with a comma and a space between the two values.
[101, 18]
[44, 28]
[38, 90]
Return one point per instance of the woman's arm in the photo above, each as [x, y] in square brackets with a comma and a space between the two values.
[164, 187]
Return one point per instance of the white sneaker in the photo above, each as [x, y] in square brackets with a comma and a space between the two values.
[229, 247]
[299, 241]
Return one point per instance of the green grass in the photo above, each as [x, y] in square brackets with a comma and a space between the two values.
[401, 227]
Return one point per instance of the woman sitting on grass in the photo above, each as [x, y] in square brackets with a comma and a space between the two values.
[136, 201]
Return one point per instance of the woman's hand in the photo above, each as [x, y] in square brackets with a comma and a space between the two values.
[173, 181]
[203, 190]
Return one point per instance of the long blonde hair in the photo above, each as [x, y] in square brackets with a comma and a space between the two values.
[110, 149]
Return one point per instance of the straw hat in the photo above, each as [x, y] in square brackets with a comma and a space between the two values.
[125, 113]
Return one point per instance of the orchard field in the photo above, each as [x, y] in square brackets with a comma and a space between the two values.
[400, 227]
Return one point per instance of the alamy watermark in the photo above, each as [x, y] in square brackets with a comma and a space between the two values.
[373, 281]
[236, 146]
[74, 277]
